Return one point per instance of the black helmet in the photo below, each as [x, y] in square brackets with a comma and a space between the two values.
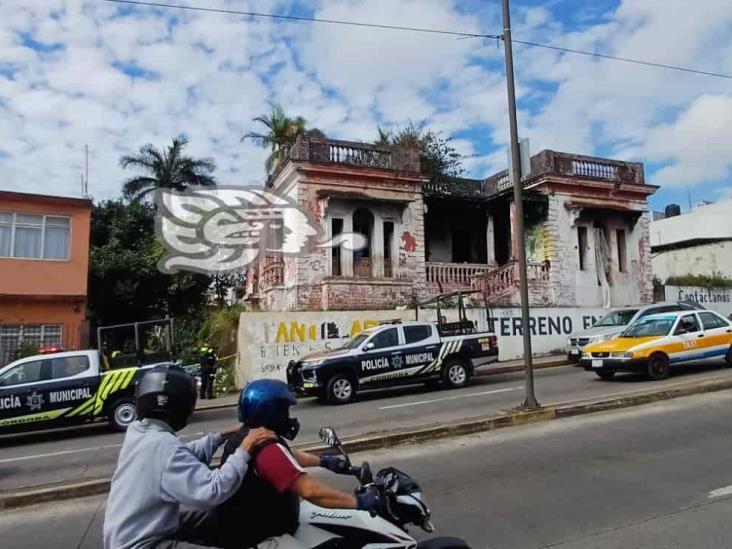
[266, 403]
[166, 393]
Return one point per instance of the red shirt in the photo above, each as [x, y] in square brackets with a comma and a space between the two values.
[275, 464]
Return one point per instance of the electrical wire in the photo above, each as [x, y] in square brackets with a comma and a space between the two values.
[305, 19]
[421, 30]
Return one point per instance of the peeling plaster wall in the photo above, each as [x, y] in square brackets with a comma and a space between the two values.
[571, 286]
[704, 259]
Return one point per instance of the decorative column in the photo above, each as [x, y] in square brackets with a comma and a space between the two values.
[490, 240]
[347, 254]
[377, 247]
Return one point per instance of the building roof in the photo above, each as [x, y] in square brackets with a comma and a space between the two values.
[706, 223]
[13, 196]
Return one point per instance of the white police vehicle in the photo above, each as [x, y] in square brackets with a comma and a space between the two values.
[396, 353]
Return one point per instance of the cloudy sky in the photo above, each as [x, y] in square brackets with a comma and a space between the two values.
[76, 72]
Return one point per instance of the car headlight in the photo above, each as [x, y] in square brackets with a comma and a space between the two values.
[599, 338]
[622, 354]
[585, 354]
[309, 374]
[311, 363]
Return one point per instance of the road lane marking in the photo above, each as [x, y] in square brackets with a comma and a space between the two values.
[74, 451]
[420, 402]
[720, 492]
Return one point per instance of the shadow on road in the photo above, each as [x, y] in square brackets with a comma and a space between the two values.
[680, 371]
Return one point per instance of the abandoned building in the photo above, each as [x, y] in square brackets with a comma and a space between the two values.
[586, 235]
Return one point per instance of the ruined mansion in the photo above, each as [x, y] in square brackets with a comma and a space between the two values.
[586, 235]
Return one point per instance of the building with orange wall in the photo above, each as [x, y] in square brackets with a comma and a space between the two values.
[44, 265]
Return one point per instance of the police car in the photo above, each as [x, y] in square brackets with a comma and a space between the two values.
[61, 388]
[393, 354]
[656, 342]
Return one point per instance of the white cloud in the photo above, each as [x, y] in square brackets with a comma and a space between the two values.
[213, 73]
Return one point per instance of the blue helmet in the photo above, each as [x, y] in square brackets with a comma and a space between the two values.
[266, 403]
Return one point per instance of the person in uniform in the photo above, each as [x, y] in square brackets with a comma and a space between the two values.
[207, 361]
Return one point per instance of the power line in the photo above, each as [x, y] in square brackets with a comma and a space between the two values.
[305, 19]
[617, 58]
[421, 30]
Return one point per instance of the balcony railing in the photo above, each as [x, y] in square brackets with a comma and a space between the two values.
[272, 273]
[334, 151]
[504, 280]
[453, 275]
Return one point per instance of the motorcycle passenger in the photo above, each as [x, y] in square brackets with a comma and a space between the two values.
[157, 473]
[269, 499]
[207, 361]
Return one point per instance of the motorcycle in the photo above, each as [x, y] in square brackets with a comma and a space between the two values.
[404, 504]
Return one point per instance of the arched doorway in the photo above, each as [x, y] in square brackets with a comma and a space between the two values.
[363, 223]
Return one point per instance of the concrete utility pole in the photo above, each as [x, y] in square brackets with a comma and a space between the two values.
[518, 224]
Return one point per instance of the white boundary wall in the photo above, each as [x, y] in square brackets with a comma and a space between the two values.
[716, 299]
[268, 341]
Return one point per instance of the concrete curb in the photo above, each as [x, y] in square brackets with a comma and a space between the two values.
[553, 363]
[380, 440]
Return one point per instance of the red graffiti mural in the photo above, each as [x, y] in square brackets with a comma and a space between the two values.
[409, 243]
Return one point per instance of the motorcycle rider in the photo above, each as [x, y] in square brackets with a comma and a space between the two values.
[157, 473]
[270, 495]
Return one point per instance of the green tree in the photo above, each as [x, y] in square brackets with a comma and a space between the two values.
[438, 157]
[168, 169]
[281, 132]
[125, 284]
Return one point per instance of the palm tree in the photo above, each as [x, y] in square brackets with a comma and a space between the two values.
[168, 169]
[282, 132]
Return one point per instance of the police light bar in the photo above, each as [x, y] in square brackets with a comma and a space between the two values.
[50, 350]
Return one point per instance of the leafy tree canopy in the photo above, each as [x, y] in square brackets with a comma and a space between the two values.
[438, 157]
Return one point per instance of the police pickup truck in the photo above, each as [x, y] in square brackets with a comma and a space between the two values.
[393, 354]
[61, 388]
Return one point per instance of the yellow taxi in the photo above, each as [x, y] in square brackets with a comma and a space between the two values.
[656, 342]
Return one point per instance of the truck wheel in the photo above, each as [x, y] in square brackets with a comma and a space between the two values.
[658, 367]
[122, 413]
[455, 374]
[340, 389]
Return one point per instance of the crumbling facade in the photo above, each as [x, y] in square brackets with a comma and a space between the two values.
[586, 232]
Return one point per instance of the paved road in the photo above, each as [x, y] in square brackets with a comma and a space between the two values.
[646, 477]
[91, 452]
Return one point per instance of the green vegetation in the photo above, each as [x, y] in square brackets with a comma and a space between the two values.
[168, 169]
[716, 280]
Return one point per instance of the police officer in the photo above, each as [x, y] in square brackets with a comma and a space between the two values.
[270, 495]
[157, 473]
[207, 360]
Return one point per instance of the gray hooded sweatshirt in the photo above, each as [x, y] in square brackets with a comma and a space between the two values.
[156, 473]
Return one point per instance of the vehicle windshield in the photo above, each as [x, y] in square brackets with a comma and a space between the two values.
[355, 341]
[649, 327]
[617, 318]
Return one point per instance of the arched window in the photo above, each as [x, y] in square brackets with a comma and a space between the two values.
[363, 223]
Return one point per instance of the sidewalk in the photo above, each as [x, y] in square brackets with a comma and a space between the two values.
[229, 400]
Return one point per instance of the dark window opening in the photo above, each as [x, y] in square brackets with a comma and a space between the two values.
[582, 247]
[502, 234]
[363, 223]
[388, 246]
[461, 246]
[336, 228]
[622, 252]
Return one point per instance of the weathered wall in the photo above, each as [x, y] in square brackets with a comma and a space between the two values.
[571, 286]
[268, 341]
[704, 259]
[716, 299]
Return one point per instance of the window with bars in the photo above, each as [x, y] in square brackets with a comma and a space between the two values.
[35, 236]
[17, 337]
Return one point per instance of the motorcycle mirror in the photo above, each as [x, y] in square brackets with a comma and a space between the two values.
[329, 436]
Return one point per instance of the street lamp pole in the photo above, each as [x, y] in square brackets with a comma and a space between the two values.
[518, 222]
